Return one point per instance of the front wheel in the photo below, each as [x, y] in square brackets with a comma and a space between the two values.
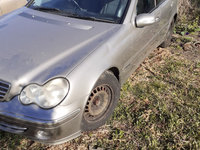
[101, 102]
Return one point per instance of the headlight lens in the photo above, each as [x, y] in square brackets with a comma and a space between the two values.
[47, 96]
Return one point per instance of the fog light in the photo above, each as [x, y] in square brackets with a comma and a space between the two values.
[42, 135]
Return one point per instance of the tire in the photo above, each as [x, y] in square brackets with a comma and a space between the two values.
[101, 102]
[168, 38]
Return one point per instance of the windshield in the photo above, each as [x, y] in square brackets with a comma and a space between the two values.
[100, 10]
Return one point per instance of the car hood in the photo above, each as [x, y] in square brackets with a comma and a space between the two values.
[36, 46]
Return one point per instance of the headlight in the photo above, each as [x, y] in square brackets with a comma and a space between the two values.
[46, 96]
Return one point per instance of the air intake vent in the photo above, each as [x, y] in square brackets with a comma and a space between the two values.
[4, 89]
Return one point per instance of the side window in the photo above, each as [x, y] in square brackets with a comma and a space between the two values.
[158, 2]
[145, 6]
[110, 7]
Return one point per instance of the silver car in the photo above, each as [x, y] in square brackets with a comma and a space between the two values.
[62, 62]
[7, 6]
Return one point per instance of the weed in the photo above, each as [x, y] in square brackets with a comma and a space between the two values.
[185, 27]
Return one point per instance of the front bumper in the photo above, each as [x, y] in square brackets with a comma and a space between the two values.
[51, 126]
[49, 133]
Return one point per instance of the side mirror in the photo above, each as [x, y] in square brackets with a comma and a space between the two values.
[143, 20]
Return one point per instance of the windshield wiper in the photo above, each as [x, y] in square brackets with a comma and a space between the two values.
[89, 18]
[47, 9]
[98, 19]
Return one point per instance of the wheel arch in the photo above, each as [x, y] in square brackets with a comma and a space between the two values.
[111, 72]
[175, 17]
[115, 71]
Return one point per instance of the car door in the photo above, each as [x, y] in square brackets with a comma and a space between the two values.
[142, 40]
[164, 8]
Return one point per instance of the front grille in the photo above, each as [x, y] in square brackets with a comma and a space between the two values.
[4, 89]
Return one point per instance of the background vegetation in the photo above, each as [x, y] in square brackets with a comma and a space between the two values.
[189, 8]
[159, 104]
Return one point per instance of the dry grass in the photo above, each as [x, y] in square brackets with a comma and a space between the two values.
[184, 7]
[189, 9]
